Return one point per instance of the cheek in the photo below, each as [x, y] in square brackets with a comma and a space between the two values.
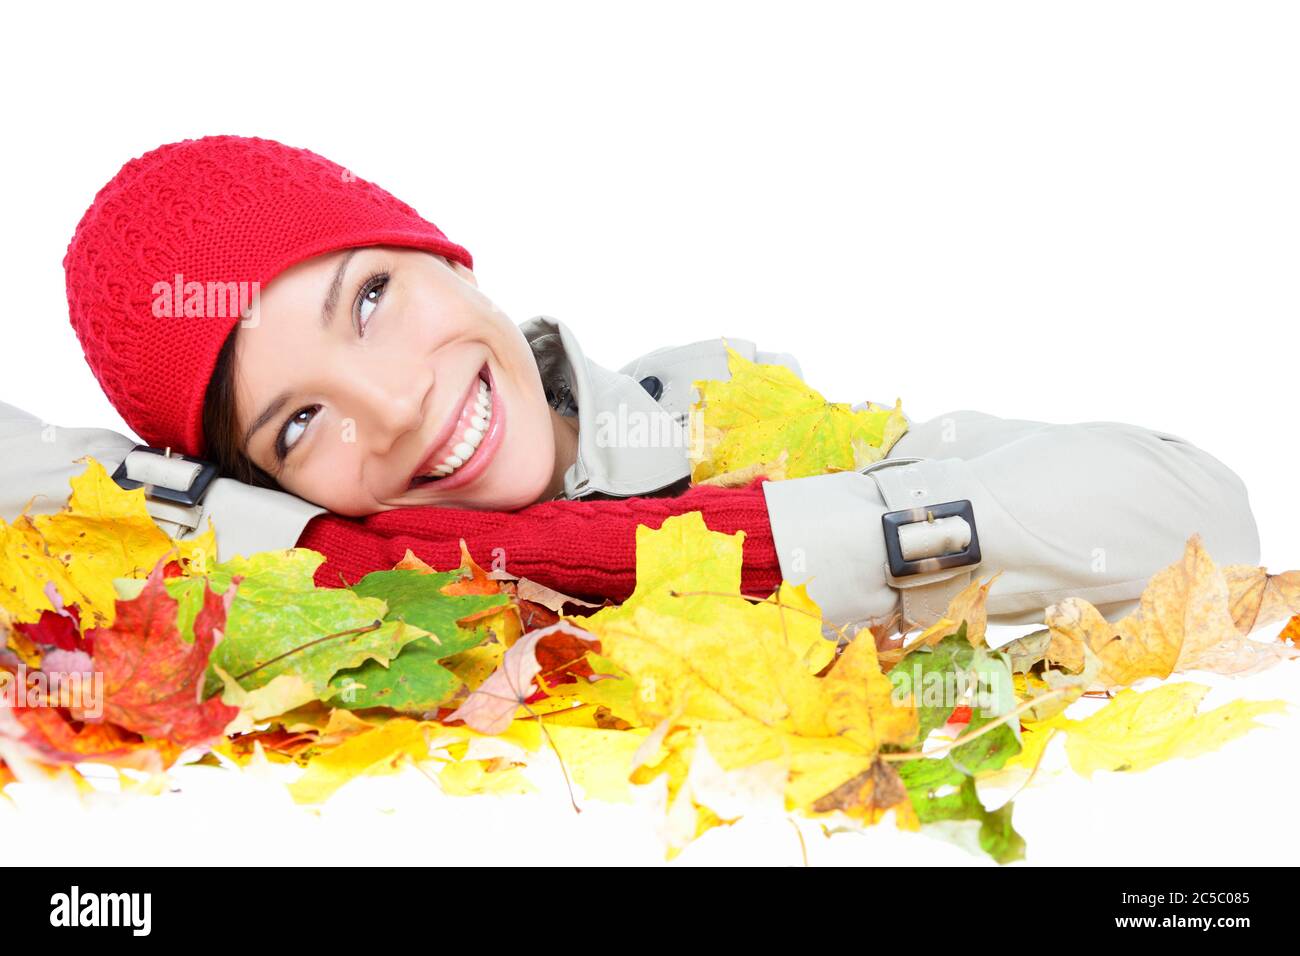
[332, 476]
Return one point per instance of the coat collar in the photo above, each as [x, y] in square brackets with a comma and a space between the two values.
[628, 444]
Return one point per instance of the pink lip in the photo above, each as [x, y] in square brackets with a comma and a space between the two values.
[483, 454]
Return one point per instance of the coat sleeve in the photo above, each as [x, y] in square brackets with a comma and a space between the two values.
[1091, 509]
[38, 459]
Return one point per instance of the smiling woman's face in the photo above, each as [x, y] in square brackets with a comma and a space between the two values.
[381, 377]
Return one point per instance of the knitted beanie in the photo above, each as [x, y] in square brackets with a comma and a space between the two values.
[183, 238]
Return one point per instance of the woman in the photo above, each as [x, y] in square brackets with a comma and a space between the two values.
[259, 306]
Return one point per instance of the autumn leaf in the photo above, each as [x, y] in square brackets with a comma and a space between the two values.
[1258, 599]
[153, 680]
[704, 662]
[869, 795]
[284, 693]
[775, 470]
[104, 532]
[138, 701]
[1291, 632]
[49, 736]
[58, 627]
[490, 708]
[28, 570]
[1137, 730]
[765, 420]
[598, 759]
[452, 607]
[1184, 621]
[941, 793]
[281, 623]
[500, 620]
[937, 678]
[711, 794]
[400, 742]
[1063, 688]
[385, 749]
[610, 697]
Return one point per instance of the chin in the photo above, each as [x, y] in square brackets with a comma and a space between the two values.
[519, 501]
[520, 493]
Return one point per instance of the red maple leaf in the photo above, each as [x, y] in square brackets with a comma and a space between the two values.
[59, 628]
[51, 736]
[153, 680]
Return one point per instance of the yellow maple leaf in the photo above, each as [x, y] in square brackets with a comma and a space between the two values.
[766, 420]
[704, 663]
[381, 750]
[283, 694]
[599, 760]
[468, 778]
[27, 569]
[104, 532]
[1137, 730]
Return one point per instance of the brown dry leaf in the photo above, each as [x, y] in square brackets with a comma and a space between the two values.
[1258, 598]
[869, 795]
[491, 707]
[1184, 621]
[548, 598]
[970, 604]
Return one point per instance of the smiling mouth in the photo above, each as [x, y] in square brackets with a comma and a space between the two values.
[466, 443]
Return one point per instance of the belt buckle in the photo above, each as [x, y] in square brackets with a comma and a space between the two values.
[900, 566]
[189, 496]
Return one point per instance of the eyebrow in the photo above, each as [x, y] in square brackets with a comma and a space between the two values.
[332, 296]
[326, 316]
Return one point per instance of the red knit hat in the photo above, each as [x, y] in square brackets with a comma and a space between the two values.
[216, 211]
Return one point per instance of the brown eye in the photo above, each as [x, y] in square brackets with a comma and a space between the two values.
[293, 429]
[368, 299]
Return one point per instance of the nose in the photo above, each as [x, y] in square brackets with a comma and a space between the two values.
[385, 399]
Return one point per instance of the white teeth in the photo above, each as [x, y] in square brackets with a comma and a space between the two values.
[473, 435]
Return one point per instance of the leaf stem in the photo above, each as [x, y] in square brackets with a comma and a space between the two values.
[373, 626]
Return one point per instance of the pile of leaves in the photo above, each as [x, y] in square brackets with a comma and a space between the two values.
[714, 701]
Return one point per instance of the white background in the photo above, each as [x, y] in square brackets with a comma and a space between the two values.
[1058, 212]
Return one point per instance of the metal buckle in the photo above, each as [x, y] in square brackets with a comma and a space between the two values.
[189, 496]
[893, 520]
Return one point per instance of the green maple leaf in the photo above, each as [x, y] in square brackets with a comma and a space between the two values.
[416, 681]
[943, 788]
[281, 623]
[958, 801]
[923, 673]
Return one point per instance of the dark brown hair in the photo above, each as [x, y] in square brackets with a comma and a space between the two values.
[221, 429]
